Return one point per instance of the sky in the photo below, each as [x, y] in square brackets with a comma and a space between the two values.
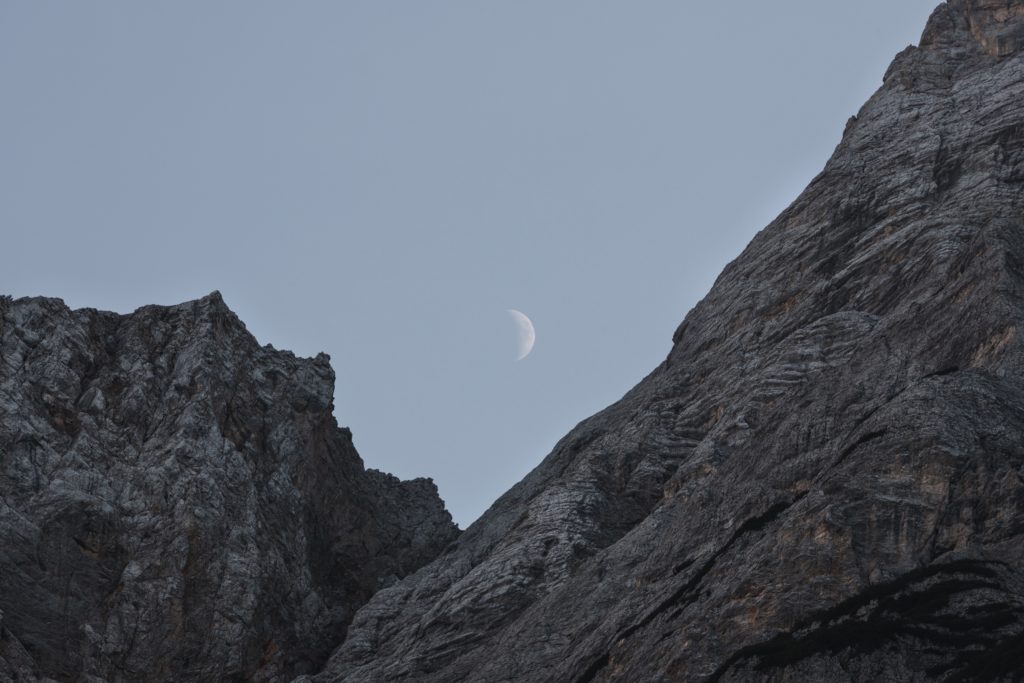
[382, 180]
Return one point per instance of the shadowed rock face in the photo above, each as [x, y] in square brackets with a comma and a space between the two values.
[825, 478]
[178, 503]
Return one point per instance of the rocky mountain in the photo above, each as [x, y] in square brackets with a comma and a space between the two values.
[824, 480]
[177, 503]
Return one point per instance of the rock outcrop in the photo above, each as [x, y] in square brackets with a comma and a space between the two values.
[824, 480]
[178, 502]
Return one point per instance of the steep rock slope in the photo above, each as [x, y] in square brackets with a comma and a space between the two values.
[823, 480]
[178, 503]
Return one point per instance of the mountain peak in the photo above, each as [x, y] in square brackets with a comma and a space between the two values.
[180, 503]
[997, 26]
[822, 480]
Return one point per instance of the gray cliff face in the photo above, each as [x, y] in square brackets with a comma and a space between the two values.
[178, 503]
[825, 478]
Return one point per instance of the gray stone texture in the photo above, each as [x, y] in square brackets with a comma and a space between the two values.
[824, 480]
[177, 503]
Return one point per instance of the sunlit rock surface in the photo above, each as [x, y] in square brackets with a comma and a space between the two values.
[177, 503]
[823, 481]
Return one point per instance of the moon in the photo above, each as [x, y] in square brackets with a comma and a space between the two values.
[527, 335]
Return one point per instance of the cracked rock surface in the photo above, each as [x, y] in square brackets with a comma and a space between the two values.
[824, 480]
[178, 502]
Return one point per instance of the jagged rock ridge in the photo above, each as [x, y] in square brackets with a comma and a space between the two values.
[178, 502]
[824, 480]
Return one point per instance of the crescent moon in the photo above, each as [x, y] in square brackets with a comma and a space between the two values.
[527, 335]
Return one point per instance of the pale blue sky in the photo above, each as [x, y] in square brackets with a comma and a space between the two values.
[382, 180]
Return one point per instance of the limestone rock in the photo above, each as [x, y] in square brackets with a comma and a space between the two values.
[824, 480]
[178, 503]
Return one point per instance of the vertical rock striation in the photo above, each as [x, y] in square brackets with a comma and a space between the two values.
[824, 480]
[178, 503]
